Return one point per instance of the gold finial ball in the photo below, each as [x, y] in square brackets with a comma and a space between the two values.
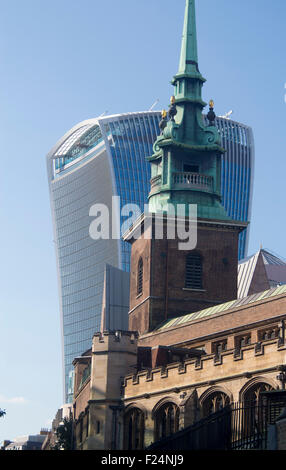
[164, 113]
[211, 103]
[172, 99]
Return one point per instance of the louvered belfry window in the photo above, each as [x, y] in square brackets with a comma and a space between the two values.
[140, 277]
[194, 271]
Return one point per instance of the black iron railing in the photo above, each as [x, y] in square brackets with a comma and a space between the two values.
[249, 426]
[212, 432]
[238, 426]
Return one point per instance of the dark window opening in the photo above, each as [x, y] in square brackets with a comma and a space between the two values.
[191, 168]
[218, 348]
[240, 342]
[140, 277]
[81, 430]
[134, 429]
[271, 333]
[194, 272]
[87, 423]
[167, 421]
[97, 427]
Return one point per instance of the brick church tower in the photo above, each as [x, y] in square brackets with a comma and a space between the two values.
[170, 278]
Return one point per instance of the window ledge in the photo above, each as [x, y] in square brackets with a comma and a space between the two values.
[194, 290]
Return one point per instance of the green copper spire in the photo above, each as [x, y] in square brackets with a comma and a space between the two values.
[189, 49]
[188, 82]
[186, 163]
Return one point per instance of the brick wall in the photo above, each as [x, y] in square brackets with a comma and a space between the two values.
[164, 264]
[240, 318]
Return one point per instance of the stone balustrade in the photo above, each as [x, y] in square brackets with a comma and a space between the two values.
[185, 180]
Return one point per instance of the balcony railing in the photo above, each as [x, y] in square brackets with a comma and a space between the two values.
[192, 181]
[185, 180]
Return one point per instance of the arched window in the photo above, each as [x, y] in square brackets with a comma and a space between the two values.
[134, 429]
[166, 420]
[253, 395]
[215, 402]
[254, 415]
[140, 276]
[194, 271]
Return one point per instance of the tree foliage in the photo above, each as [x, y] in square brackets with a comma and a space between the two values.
[2, 413]
[64, 435]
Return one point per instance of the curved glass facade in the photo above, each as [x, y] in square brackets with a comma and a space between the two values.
[96, 160]
[105, 157]
[237, 174]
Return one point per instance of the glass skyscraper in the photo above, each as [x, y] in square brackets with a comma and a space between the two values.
[237, 174]
[105, 157]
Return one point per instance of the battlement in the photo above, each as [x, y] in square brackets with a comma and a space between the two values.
[118, 340]
[207, 369]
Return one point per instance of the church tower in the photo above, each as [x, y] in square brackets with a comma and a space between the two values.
[167, 279]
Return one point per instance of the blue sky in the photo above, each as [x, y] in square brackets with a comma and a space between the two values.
[64, 61]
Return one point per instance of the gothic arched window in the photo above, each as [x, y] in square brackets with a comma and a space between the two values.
[140, 276]
[166, 420]
[194, 271]
[134, 429]
[215, 402]
[254, 410]
[253, 395]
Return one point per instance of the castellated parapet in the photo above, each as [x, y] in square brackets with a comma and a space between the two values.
[231, 370]
[119, 337]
